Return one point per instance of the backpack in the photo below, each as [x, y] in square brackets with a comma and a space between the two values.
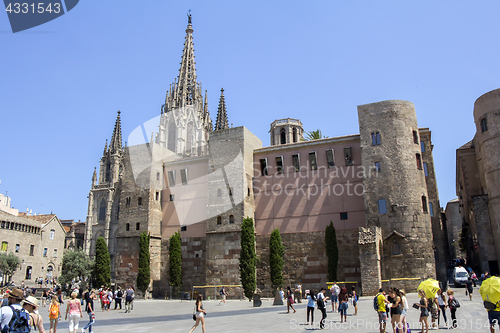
[454, 303]
[221, 292]
[489, 305]
[375, 302]
[54, 312]
[119, 294]
[19, 322]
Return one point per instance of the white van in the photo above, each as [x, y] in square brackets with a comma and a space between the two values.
[460, 276]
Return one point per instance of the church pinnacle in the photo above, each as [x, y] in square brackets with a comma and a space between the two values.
[116, 139]
[221, 122]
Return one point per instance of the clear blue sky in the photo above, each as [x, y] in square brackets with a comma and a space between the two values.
[63, 82]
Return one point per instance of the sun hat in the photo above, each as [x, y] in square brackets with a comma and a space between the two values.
[17, 294]
[31, 301]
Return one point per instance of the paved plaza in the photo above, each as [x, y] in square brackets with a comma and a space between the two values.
[240, 316]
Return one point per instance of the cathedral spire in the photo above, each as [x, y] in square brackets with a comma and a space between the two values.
[105, 148]
[221, 122]
[186, 85]
[116, 139]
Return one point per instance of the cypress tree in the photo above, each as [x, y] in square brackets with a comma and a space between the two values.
[248, 258]
[102, 271]
[276, 251]
[175, 261]
[144, 274]
[332, 251]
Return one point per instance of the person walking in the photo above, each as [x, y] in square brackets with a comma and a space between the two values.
[310, 306]
[433, 307]
[129, 298]
[354, 297]
[200, 314]
[74, 309]
[45, 295]
[334, 290]
[343, 304]
[469, 289]
[321, 299]
[6, 312]
[223, 295]
[54, 314]
[382, 309]
[452, 304]
[396, 308]
[118, 298]
[289, 300]
[406, 307]
[424, 311]
[441, 298]
[30, 304]
[89, 307]
[494, 317]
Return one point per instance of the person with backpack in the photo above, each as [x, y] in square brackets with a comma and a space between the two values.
[453, 304]
[30, 304]
[54, 314]
[223, 295]
[379, 304]
[118, 298]
[129, 298]
[335, 291]
[321, 299]
[14, 315]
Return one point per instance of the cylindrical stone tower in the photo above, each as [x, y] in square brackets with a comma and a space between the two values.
[487, 143]
[396, 198]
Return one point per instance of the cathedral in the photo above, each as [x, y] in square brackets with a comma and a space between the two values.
[378, 188]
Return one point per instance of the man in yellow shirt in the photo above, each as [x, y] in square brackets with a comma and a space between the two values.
[382, 311]
[494, 317]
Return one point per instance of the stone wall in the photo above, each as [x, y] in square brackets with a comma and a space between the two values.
[305, 259]
[223, 258]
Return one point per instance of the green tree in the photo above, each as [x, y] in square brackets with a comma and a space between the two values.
[248, 257]
[332, 251]
[144, 275]
[102, 271]
[9, 263]
[276, 251]
[314, 135]
[76, 265]
[175, 262]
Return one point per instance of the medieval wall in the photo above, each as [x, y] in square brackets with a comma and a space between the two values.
[305, 259]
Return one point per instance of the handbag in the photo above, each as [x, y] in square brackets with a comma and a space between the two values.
[416, 306]
[194, 313]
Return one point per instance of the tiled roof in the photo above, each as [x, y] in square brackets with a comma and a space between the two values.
[17, 219]
[43, 218]
[67, 229]
[468, 145]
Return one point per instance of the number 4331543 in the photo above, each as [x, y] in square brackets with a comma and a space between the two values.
[40, 8]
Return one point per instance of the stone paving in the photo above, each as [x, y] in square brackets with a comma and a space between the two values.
[240, 316]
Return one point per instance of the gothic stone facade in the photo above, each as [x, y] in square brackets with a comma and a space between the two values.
[204, 180]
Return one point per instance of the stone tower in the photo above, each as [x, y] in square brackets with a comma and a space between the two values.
[285, 131]
[487, 146]
[395, 192]
[104, 196]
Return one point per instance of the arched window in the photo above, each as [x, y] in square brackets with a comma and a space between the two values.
[172, 134]
[108, 172]
[102, 210]
[127, 227]
[283, 136]
[231, 219]
[219, 220]
[294, 134]
[395, 248]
